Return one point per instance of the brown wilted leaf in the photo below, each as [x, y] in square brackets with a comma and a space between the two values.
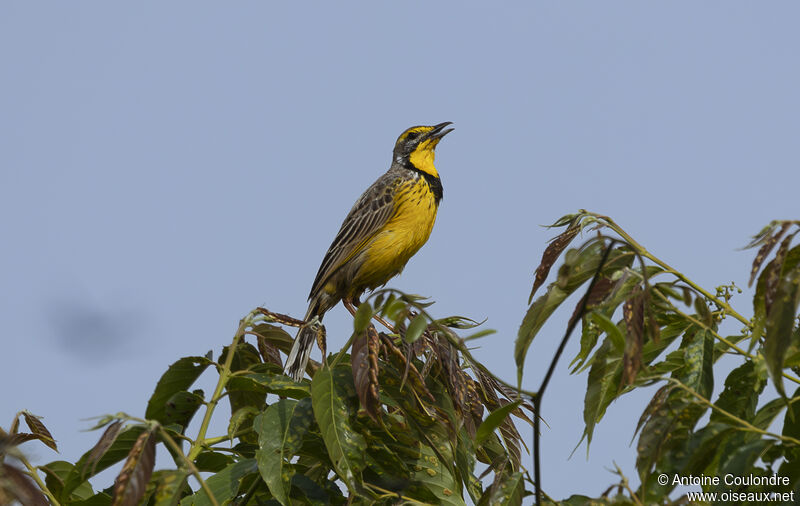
[765, 249]
[15, 485]
[131, 484]
[490, 387]
[281, 318]
[551, 254]
[599, 292]
[322, 341]
[102, 446]
[268, 351]
[474, 400]
[633, 313]
[417, 381]
[774, 274]
[364, 360]
[15, 440]
[512, 440]
[655, 403]
[38, 428]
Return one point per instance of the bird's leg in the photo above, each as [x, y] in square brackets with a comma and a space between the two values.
[349, 305]
[378, 318]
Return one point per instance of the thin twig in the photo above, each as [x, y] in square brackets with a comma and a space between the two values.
[537, 399]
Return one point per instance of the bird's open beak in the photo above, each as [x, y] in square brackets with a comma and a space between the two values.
[439, 131]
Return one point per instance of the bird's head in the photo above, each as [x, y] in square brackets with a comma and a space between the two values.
[416, 146]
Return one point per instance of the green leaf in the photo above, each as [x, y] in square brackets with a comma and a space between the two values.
[281, 385]
[611, 329]
[179, 377]
[604, 378]
[436, 477]
[362, 318]
[494, 420]
[740, 396]
[698, 373]
[224, 485]
[181, 407]
[212, 461]
[56, 474]
[767, 413]
[791, 261]
[740, 462]
[507, 489]
[332, 397]
[416, 328]
[280, 429]
[241, 421]
[779, 324]
[169, 487]
[791, 422]
[580, 266]
[537, 314]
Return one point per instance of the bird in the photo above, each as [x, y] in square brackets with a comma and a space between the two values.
[386, 226]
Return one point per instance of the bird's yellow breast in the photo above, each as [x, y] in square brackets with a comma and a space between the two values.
[402, 236]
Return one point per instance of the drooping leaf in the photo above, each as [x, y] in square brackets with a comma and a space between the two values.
[179, 377]
[580, 266]
[102, 446]
[790, 262]
[332, 396]
[119, 449]
[740, 396]
[365, 371]
[507, 489]
[601, 387]
[633, 313]
[17, 485]
[131, 483]
[767, 246]
[791, 422]
[280, 429]
[494, 420]
[775, 270]
[551, 254]
[39, 430]
[779, 324]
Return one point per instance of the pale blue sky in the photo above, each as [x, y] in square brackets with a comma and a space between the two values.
[166, 167]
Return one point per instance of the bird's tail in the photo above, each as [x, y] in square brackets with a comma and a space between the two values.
[301, 351]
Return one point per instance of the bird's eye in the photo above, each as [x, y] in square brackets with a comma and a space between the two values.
[412, 135]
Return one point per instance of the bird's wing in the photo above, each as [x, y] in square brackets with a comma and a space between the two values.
[367, 217]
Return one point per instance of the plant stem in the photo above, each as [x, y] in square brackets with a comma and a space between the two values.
[746, 425]
[641, 249]
[718, 336]
[200, 442]
[35, 476]
[189, 464]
